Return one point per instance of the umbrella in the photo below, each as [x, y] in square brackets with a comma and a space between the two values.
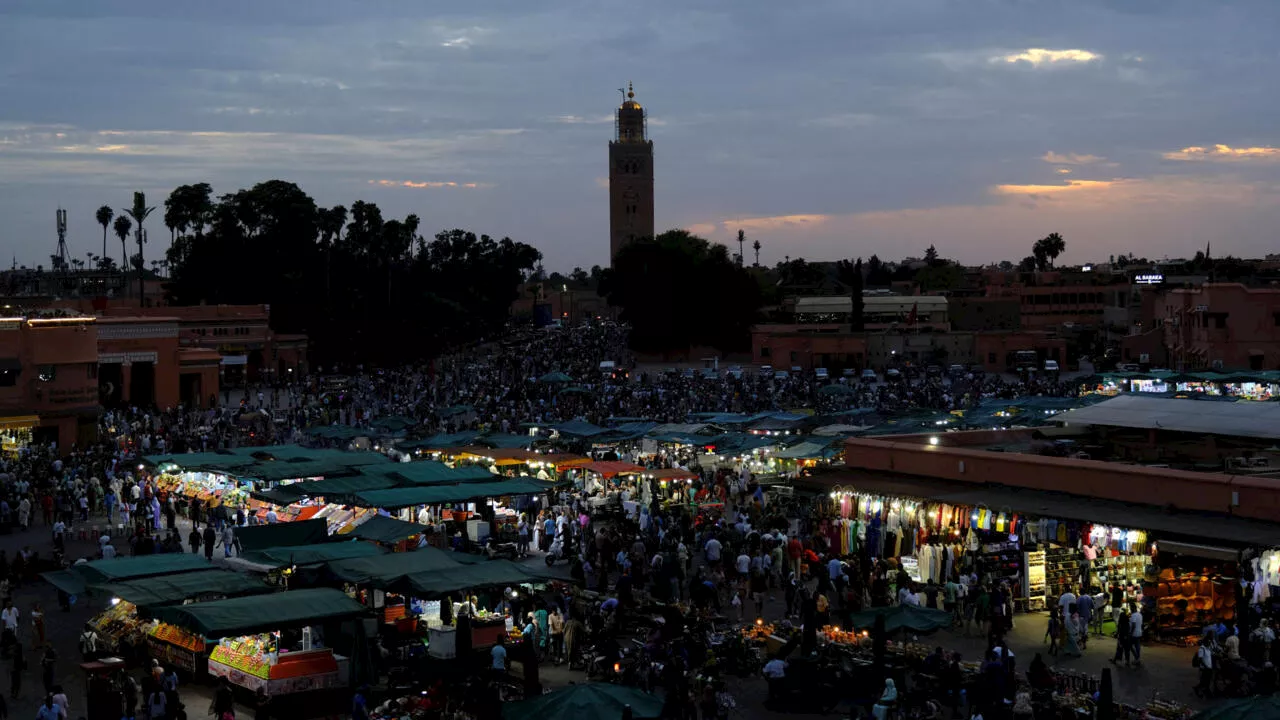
[593, 700]
[1254, 708]
[836, 389]
[903, 617]
[555, 378]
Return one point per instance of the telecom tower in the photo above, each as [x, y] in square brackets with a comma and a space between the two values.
[63, 256]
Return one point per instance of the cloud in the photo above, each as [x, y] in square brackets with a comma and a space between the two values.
[429, 184]
[1066, 187]
[1225, 153]
[1070, 158]
[1040, 56]
[1062, 171]
[581, 120]
[757, 224]
[602, 182]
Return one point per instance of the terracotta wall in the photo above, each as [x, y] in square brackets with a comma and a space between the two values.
[1208, 492]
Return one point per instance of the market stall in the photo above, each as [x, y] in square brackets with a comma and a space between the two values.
[275, 646]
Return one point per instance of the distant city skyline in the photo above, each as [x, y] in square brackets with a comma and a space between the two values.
[826, 130]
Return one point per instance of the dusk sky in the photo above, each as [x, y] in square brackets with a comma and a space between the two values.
[823, 128]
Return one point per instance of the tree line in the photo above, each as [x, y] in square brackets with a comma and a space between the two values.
[364, 288]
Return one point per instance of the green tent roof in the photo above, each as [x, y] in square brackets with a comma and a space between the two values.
[246, 615]
[339, 486]
[899, 617]
[115, 569]
[170, 589]
[444, 494]
[599, 701]
[311, 554]
[553, 378]
[384, 529]
[431, 584]
[806, 451]
[382, 570]
[426, 472]
[200, 461]
[289, 534]
[71, 583]
[1261, 707]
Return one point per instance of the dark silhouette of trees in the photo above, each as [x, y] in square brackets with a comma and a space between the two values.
[850, 275]
[679, 291]
[1047, 249]
[103, 216]
[362, 287]
[139, 212]
[122, 227]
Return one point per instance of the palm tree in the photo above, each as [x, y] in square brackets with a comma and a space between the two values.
[122, 228]
[104, 215]
[140, 212]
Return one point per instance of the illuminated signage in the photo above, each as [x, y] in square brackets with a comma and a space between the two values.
[1149, 279]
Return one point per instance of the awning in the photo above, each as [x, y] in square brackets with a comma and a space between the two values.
[1201, 551]
[588, 700]
[69, 582]
[247, 615]
[380, 528]
[338, 487]
[288, 534]
[426, 472]
[432, 584]
[234, 360]
[610, 468]
[449, 494]
[170, 589]
[383, 570]
[311, 554]
[115, 569]
[19, 422]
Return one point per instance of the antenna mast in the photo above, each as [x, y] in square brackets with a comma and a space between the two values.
[62, 239]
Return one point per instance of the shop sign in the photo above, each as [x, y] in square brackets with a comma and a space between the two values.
[141, 357]
[68, 396]
[1148, 279]
[110, 358]
[169, 654]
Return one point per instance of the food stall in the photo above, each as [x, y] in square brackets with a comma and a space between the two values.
[275, 646]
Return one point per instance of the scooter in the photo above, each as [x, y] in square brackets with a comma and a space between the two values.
[556, 552]
[504, 550]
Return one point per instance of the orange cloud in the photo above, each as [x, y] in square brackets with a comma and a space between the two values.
[1224, 153]
[428, 185]
[1070, 158]
[1068, 186]
[1063, 171]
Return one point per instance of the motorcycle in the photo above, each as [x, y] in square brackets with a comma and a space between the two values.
[556, 552]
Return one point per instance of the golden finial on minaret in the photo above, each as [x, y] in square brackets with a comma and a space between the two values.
[631, 91]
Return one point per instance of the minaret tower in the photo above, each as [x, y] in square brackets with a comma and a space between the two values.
[630, 177]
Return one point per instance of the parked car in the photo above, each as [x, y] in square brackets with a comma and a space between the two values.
[893, 375]
[1051, 366]
[734, 372]
[781, 375]
[933, 371]
[869, 376]
[821, 374]
[766, 371]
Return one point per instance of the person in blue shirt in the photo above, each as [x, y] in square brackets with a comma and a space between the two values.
[499, 656]
[360, 705]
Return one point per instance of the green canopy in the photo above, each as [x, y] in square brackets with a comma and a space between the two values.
[598, 701]
[380, 528]
[555, 378]
[432, 584]
[69, 582]
[311, 554]
[448, 494]
[339, 487]
[899, 617]
[115, 569]
[394, 423]
[289, 534]
[1262, 707]
[170, 589]
[199, 461]
[247, 615]
[274, 496]
[835, 389]
[806, 451]
[382, 570]
[427, 472]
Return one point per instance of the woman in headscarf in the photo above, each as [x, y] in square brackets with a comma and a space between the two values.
[888, 700]
[1071, 648]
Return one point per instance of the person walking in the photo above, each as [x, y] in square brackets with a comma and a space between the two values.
[1135, 634]
[47, 666]
[1123, 630]
[228, 539]
[16, 670]
[1204, 663]
[210, 540]
[194, 540]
